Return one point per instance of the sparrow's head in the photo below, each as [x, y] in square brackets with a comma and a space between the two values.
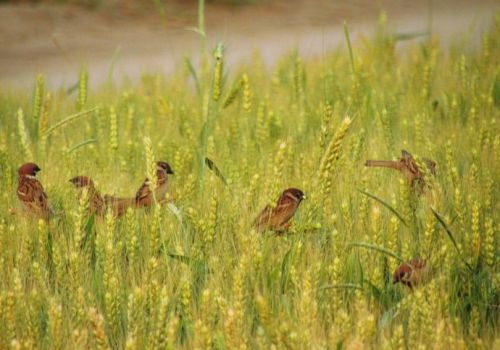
[293, 194]
[431, 165]
[82, 181]
[406, 155]
[402, 273]
[164, 167]
[28, 169]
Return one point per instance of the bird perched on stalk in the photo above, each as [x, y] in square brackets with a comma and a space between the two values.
[99, 205]
[31, 194]
[277, 218]
[412, 273]
[145, 197]
[407, 166]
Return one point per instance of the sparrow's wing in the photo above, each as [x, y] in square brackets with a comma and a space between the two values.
[409, 161]
[283, 213]
[263, 218]
[25, 191]
[32, 195]
[431, 165]
[144, 191]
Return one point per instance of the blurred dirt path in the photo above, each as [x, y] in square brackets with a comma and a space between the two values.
[58, 40]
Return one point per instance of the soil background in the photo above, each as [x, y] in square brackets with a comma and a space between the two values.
[57, 39]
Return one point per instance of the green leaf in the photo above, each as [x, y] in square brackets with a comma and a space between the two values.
[385, 204]
[67, 120]
[81, 144]
[450, 235]
[376, 248]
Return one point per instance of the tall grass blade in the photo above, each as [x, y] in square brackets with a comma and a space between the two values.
[342, 286]
[211, 165]
[112, 65]
[67, 120]
[450, 236]
[410, 35]
[192, 71]
[81, 144]
[385, 204]
[348, 40]
[376, 248]
[284, 270]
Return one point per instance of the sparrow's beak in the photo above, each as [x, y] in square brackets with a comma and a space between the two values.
[304, 197]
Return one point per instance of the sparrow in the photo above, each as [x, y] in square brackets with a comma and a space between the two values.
[407, 166]
[145, 197]
[411, 273]
[31, 194]
[277, 218]
[98, 204]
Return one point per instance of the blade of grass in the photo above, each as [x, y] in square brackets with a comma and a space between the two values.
[348, 39]
[376, 248]
[72, 88]
[182, 258]
[410, 35]
[284, 269]
[201, 25]
[385, 204]
[192, 71]
[66, 120]
[175, 211]
[341, 286]
[387, 317]
[211, 165]
[450, 236]
[81, 144]
[113, 63]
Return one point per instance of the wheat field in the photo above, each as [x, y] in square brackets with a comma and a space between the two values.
[193, 273]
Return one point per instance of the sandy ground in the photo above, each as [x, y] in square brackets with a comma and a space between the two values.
[57, 40]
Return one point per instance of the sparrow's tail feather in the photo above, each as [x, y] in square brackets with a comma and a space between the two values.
[383, 163]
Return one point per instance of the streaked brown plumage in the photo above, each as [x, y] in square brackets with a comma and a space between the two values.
[31, 194]
[145, 197]
[277, 218]
[407, 166]
[412, 273]
[98, 204]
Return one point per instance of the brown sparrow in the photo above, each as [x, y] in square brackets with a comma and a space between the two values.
[407, 166]
[31, 194]
[411, 273]
[145, 197]
[98, 204]
[277, 218]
